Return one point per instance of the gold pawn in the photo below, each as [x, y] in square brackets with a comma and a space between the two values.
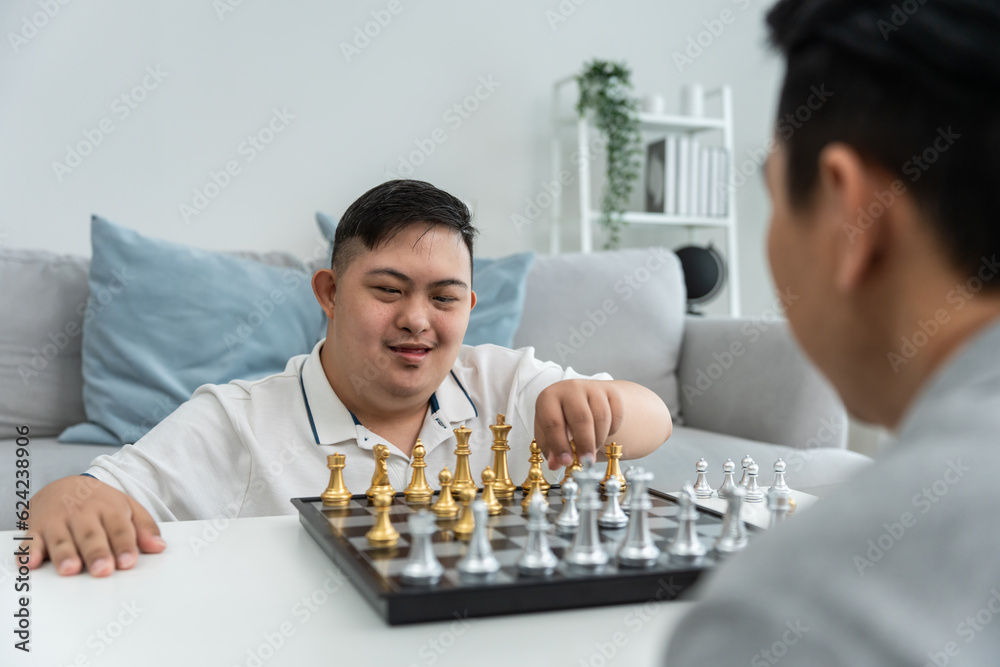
[573, 467]
[463, 473]
[536, 461]
[445, 507]
[336, 494]
[419, 491]
[380, 478]
[504, 487]
[467, 521]
[614, 454]
[535, 480]
[493, 505]
[382, 534]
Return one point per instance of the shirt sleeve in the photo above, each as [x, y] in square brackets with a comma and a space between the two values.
[192, 465]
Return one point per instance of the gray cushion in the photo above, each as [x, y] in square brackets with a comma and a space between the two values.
[43, 299]
[621, 312]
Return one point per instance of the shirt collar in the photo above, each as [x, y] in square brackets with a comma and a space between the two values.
[333, 423]
[974, 362]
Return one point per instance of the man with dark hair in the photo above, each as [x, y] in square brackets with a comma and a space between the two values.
[885, 220]
[392, 370]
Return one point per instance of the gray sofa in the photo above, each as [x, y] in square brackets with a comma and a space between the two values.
[735, 387]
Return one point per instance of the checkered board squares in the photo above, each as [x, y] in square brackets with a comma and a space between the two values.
[340, 532]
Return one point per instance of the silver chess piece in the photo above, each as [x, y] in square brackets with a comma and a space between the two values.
[746, 466]
[537, 557]
[639, 549]
[686, 545]
[422, 568]
[779, 502]
[779, 477]
[727, 479]
[734, 534]
[569, 518]
[586, 550]
[613, 516]
[478, 558]
[702, 489]
[629, 489]
[754, 493]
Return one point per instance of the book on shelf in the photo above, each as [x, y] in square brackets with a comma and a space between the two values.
[686, 177]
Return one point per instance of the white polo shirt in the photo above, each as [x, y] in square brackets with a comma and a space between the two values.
[244, 449]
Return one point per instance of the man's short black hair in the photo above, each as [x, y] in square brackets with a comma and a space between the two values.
[913, 86]
[382, 212]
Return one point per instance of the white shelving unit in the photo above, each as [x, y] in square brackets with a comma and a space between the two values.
[589, 213]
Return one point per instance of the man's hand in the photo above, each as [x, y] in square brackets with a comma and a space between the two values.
[592, 413]
[585, 411]
[81, 517]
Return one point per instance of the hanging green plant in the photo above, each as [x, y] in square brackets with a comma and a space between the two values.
[606, 89]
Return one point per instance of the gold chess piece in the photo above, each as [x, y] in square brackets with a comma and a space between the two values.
[336, 494]
[466, 521]
[614, 454]
[419, 491]
[536, 461]
[504, 486]
[380, 478]
[382, 534]
[463, 473]
[445, 507]
[493, 505]
[535, 480]
[573, 467]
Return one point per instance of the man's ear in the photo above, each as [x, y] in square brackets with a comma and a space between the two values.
[473, 305]
[854, 197]
[324, 284]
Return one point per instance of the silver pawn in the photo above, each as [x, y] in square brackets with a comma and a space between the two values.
[629, 489]
[686, 545]
[613, 516]
[478, 558]
[537, 557]
[569, 518]
[734, 534]
[779, 502]
[587, 550]
[702, 489]
[779, 477]
[754, 492]
[639, 549]
[746, 465]
[422, 568]
[727, 479]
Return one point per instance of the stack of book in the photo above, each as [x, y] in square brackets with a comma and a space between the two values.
[686, 178]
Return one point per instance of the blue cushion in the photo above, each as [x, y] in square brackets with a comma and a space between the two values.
[164, 319]
[500, 286]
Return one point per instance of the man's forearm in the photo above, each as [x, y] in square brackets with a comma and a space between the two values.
[647, 422]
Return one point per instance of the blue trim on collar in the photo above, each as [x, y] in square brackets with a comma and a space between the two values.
[474, 408]
[357, 422]
[305, 398]
[435, 406]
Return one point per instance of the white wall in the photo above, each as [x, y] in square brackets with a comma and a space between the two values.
[352, 120]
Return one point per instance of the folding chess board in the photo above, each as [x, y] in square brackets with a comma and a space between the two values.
[340, 532]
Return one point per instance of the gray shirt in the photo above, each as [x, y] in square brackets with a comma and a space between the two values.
[901, 566]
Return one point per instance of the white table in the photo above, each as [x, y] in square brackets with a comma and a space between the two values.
[219, 590]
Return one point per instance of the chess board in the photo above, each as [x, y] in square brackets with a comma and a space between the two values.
[340, 532]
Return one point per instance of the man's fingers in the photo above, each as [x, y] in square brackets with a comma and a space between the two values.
[92, 543]
[550, 429]
[147, 532]
[617, 405]
[36, 549]
[62, 550]
[121, 534]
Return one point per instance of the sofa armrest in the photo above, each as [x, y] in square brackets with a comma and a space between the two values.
[748, 378]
